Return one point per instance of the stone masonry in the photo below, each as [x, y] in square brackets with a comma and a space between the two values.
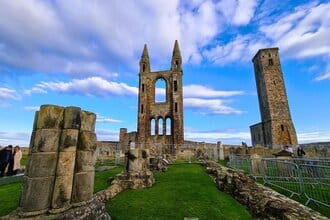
[159, 122]
[59, 177]
[276, 128]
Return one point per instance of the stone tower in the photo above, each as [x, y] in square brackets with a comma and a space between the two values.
[161, 122]
[276, 128]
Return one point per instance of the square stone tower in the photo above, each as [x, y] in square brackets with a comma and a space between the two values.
[161, 122]
[276, 128]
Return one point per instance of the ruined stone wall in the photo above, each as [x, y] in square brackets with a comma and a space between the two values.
[161, 122]
[257, 134]
[60, 167]
[125, 138]
[262, 202]
[107, 149]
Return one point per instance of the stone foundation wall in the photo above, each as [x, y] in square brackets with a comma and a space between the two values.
[262, 202]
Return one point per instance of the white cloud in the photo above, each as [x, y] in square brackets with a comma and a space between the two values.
[35, 90]
[92, 86]
[314, 136]
[95, 38]
[242, 48]
[31, 108]
[304, 33]
[238, 12]
[14, 138]
[323, 76]
[7, 94]
[226, 137]
[107, 135]
[210, 106]
[103, 119]
[199, 91]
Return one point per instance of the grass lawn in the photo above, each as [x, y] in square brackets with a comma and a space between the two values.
[10, 193]
[102, 178]
[185, 190]
[9, 197]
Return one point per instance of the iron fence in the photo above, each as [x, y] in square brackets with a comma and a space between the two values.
[297, 176]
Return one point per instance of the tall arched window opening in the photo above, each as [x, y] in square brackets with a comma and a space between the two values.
[168, 126]
[152, 126]
[160, 126]
[160, 90]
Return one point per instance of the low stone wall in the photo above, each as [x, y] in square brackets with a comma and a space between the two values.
[262, 202]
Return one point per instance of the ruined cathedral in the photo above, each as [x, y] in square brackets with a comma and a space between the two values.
[160, 123]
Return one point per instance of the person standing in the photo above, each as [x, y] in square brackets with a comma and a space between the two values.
[17, 159]
[300, 152]
[6, 158]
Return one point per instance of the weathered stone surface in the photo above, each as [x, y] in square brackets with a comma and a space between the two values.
[86, 141]
[165, 114]
[36, 200]
[35, 121]
[62, 192]
[72, 118]
[114, 189]
[60, 168]
[87, 121]
[50, 116]
[276, 128]
[41, 164]
[68, 140]
[262, 202]
[84, 161]
[83, 187]
[66, 163]
[46, 140]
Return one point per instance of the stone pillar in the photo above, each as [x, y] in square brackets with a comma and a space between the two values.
[83, 184]
[40, 172]
[60, 168]
[66, 160]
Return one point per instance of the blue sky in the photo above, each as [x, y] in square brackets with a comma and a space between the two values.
[86, 54]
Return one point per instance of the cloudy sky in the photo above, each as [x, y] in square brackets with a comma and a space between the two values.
[86, 53]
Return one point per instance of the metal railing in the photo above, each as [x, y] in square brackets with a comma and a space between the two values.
[297, 176]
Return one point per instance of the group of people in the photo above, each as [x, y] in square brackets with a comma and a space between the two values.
[300, 151]
[10, 159]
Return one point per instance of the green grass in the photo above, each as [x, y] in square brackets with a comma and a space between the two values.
[10, 193]
[222, 162]
[9, 197]
[24, 160]
[183, 191]
[301, 198]
[102, 178]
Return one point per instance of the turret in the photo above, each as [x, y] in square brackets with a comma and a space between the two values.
[176, 58]
[144, 62]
